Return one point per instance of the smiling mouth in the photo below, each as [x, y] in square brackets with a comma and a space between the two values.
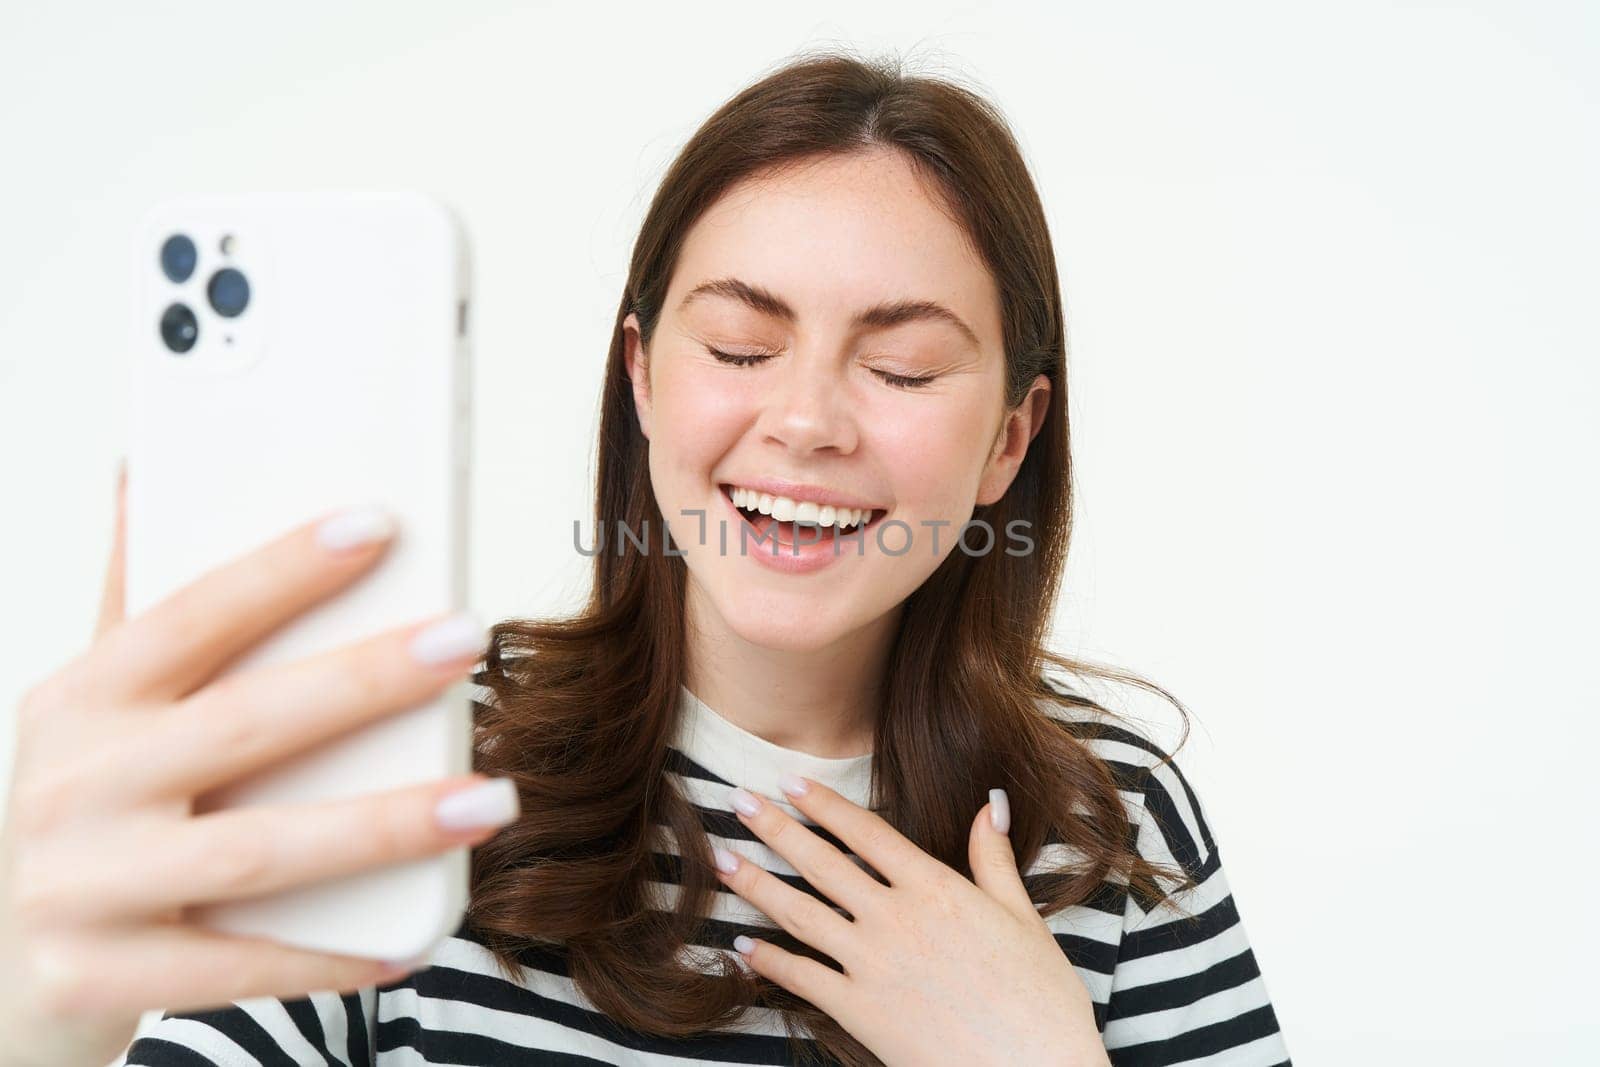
[788, 530]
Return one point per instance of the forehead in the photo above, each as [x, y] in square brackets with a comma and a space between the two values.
[832, 234]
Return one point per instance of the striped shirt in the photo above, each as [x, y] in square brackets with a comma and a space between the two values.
[1167, 989]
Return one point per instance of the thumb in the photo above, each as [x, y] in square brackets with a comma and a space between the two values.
[111, 596]
[994, 864]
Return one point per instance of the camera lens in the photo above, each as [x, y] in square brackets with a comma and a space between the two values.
[179, 328]
[178, 258]
[228, 292]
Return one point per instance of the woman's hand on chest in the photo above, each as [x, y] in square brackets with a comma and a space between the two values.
[937, 969]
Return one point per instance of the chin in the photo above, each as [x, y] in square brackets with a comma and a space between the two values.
[787, 638]
[781, 623]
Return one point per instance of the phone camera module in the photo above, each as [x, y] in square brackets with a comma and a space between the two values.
[178, 328]
[178, 257]
[228, 292]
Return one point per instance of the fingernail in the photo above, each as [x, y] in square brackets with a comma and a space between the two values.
[744, 945]
[999, 810]
[743, 801]
[491, 803]
[449, 639]
[727, 862]
[793, 784]
[355, 527]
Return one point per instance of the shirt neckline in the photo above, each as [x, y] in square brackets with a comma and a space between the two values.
[743, 758]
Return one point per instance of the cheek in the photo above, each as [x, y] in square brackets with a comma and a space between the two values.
[694, 422]
[935, 457]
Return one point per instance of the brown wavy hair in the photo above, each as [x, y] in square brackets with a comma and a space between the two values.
[579, 710]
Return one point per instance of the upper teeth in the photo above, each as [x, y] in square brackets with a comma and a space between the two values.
[787, 509]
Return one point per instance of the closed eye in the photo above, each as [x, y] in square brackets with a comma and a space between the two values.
[903, 381]
[738, 360]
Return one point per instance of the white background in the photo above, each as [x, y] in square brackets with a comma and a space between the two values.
[1329, 273]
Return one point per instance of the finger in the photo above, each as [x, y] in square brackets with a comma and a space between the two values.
[111, 594]
[183, 640]
[994, 863]
[801, 975]
[802, 914]
[825, 867]
[244, 852]
[866, 833]
[251, 718]
[179, 968]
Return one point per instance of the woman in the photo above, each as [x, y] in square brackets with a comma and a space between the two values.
[781, 803]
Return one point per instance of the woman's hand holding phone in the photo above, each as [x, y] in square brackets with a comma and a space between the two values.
[101, 853]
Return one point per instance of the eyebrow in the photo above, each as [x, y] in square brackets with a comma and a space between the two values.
[879, 316]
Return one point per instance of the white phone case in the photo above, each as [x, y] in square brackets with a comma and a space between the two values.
[345, 380]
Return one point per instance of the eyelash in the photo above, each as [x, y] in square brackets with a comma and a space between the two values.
[901, 380]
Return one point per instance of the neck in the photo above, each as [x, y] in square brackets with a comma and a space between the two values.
[821, 701]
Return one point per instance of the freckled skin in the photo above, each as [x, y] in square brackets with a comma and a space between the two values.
[830, 237]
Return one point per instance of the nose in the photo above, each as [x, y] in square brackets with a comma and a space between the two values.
[809, 407]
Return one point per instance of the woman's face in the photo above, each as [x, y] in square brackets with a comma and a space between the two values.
[849, 276]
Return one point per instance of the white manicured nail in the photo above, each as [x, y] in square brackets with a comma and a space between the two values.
[449, 639]
[491, 803]
[999, 810]
[355, 527]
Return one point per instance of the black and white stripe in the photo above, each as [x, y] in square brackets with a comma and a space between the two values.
[1167, 989]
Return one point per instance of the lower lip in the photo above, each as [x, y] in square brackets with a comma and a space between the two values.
[792, 559]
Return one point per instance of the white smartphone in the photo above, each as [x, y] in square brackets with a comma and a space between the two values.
[295, 353]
